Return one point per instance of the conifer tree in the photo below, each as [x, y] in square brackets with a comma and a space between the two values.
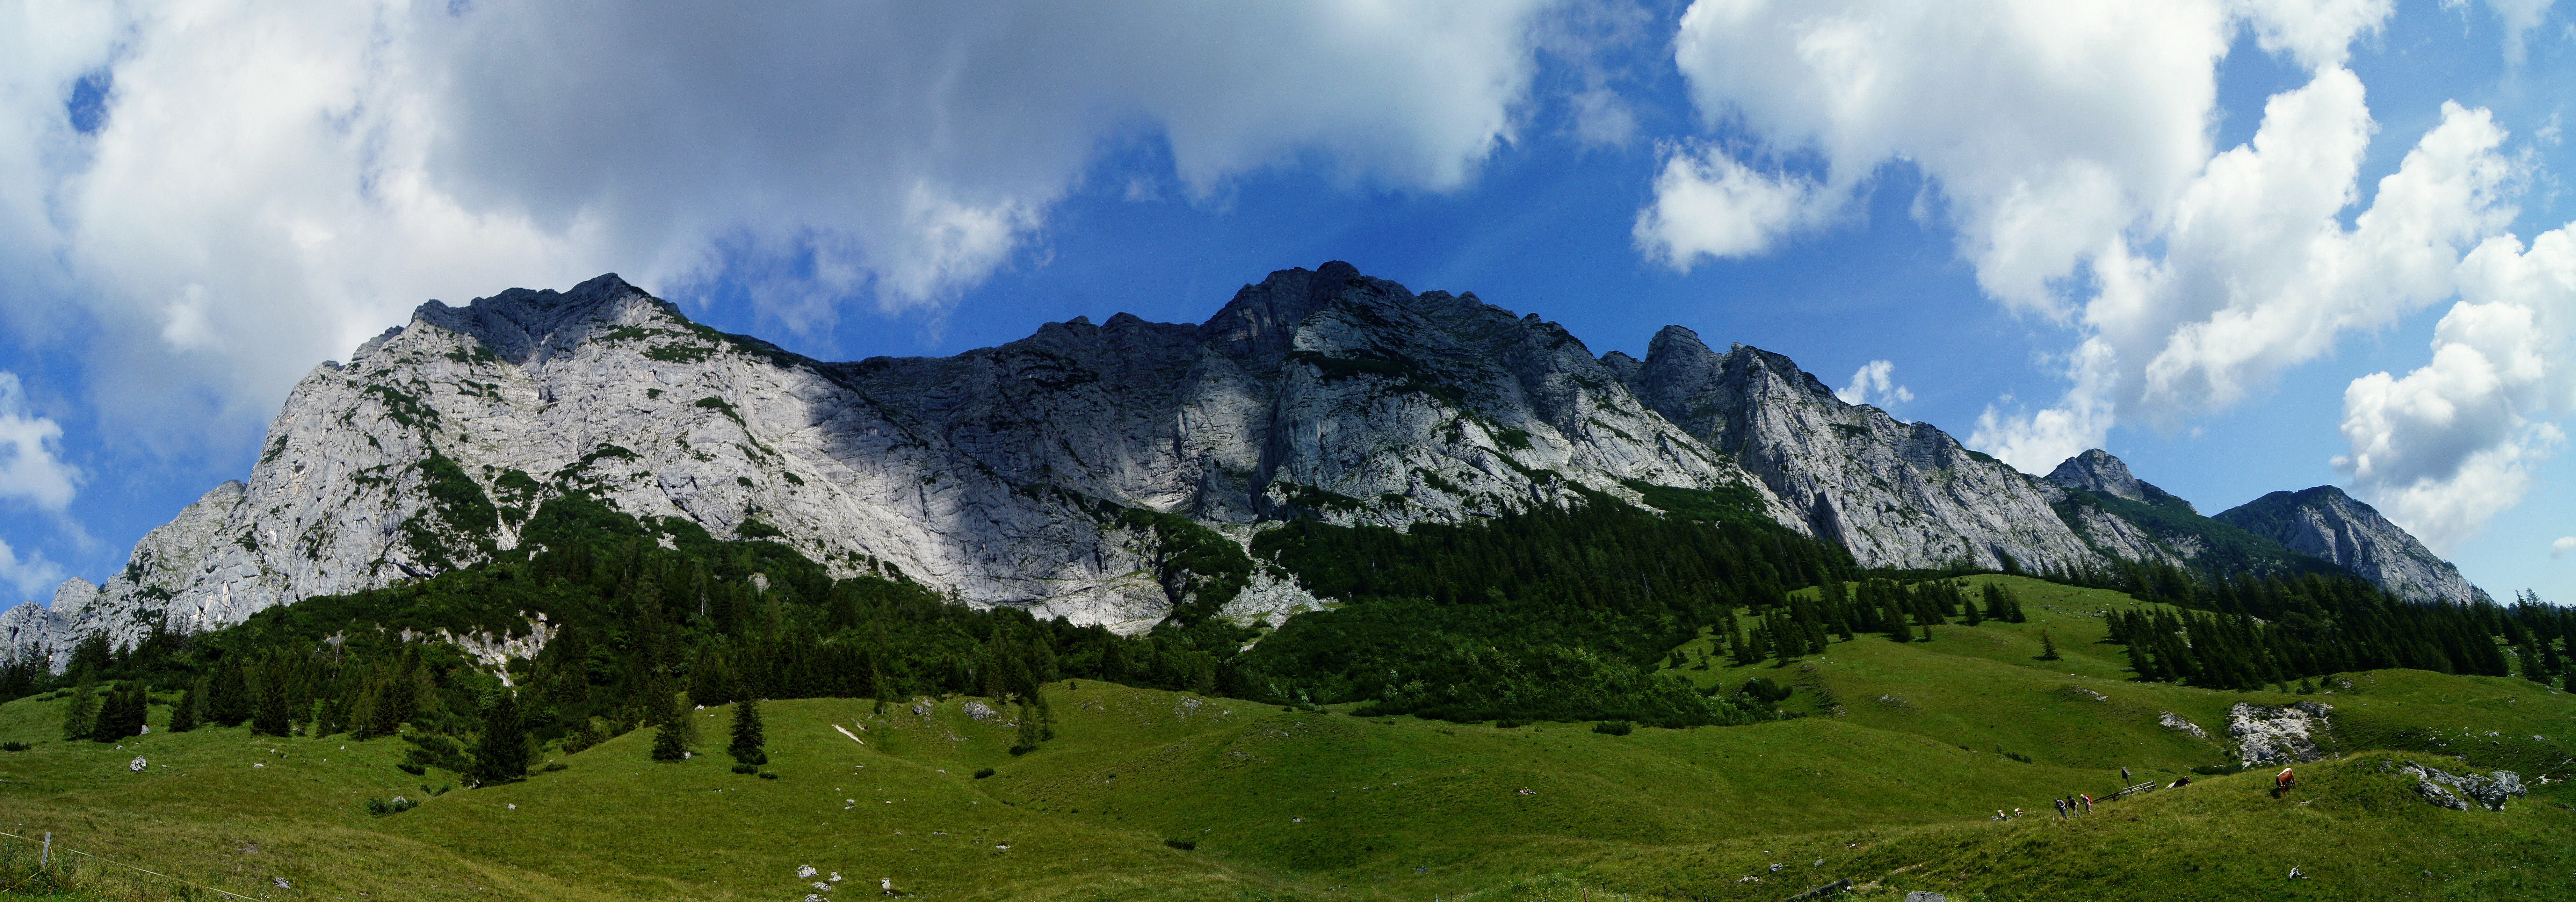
[2047, 646]
[501, 755]
[1974, 616]
[747, 740]
[228, 699]
[667, 744]
[271, 717]
[80, 717]
[1031, 733]
[184, 717]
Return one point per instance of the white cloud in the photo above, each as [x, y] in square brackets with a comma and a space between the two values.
[34, 578]
[31, 472]
[1875, 383]
[2450, 444]
[2070, 145]
[1707, 204]
[2561, 547]
[274, 183]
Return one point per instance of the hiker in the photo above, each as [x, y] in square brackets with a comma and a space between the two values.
[2088, 804]
[2061, 808]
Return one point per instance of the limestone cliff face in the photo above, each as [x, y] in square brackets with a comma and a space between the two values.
[996, 475]
[2326, 523]
[1013, 475]
[1897, 494]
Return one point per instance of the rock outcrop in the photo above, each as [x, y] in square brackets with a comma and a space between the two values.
[2326, 523]
[2439, 787]
[2179, 724]
[2277, 734]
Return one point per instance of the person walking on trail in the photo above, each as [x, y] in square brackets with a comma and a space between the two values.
[2088, 804]
[2061, 808]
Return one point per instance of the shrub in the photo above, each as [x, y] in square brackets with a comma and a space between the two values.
[746, 768]
[983, 772]
[13, 746]
[768, 775]
[1509, 724]
[2017, 756]
[1614, 727]
[397, 806]
[552, 766]
[1184, 845]
[412, 769]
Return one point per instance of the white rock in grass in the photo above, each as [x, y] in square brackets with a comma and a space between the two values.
[137, 765]
[805, 872]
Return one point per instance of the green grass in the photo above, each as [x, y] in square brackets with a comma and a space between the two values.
[1888, 779]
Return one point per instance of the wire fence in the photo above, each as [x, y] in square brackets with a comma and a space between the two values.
[54, 870]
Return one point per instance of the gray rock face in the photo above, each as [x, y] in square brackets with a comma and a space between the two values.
[2178, 723]
[2326, 523]
[1896, 494]
[997, 476]
[2277, 734]
[2096, 470]
[2439, 787]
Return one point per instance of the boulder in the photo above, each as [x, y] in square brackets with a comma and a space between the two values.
[2277, 734]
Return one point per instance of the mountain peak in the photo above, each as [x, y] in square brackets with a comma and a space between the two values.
[2096, 470]
[2325, 522]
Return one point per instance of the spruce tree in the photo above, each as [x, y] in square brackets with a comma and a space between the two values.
[184, 717]
[747, 740]
[228, 699]
[501, 755]
[1974, 616]
[2047, 646]
[667, 744]
[271, 717]
[121, 717]
[1031, 733]
[80, 717]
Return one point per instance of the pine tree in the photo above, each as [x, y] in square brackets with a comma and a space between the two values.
[271, 716]
[501, 755]
[667, 744]
[228, 699]
[80, 717]
[121, 717]
[2047, 646]
[184, 717]
[1974, 616]
[747, 740]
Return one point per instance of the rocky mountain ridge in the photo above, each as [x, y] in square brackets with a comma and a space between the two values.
[2325, 523]
[1056, 472]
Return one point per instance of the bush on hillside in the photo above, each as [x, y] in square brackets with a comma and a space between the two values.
[1614, 727]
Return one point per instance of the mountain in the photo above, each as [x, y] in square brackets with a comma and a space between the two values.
[1073, 472]
[2324, 522]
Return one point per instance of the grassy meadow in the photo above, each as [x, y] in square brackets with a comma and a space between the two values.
[1889, 778]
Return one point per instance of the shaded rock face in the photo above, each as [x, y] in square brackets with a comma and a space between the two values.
[997, 475]
[2277, 734]
[1896, 494]
[2324, 522]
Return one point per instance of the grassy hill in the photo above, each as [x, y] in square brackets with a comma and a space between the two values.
[1889, 779]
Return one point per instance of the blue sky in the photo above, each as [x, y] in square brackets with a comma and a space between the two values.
[2056, 224]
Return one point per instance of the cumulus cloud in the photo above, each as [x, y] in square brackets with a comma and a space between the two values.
[1875, 383]
[266, 185]
[2561, 547]
[31, 469]
[1709, 205]
[2070, 145]
[33, 578]
[2451, 443]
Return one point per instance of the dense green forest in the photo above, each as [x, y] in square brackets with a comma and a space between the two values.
[1547, 614]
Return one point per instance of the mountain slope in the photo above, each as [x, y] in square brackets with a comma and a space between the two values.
[1896, 494]
[1068, 473]
[1021, 475]
[2326, 523]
